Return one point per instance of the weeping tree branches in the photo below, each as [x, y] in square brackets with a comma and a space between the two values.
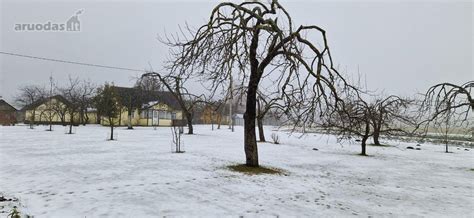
[265, 104]
[391, 115]
[254, 41]
[363, 120]
[445, 100]
[446, 106]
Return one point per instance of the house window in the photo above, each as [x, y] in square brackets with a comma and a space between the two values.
[143, 114]
[164, 115]
[173, 115]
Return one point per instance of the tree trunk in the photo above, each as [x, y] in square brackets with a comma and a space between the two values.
[189, 117]
[250, 138]
[111, 132]
[364, 140]
[129, 121]
[212, 122]
[71, 121]
[32, 121]
[376, 137]
[446, 141]
[261, 133]
[81, 117]
[120, 117]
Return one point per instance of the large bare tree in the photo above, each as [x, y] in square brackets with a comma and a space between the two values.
[253, 41]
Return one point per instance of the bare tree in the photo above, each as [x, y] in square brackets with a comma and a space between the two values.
[186, 100]
[362, 119]
[253, 40]
[389, 115]
[214, 110]
[60, 109]
[353, 120]
[87, 91]
[72, 93]
[29, 95]
[176, 138]
[447, 99]
[444, 106]
[264, 105]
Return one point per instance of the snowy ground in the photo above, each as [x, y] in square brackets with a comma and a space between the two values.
[56, 175]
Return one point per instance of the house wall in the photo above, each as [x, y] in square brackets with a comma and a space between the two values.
[45, 114]
[209, 116]
[137, 120]
[7, 117]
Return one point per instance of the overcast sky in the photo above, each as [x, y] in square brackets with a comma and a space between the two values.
[399, 47]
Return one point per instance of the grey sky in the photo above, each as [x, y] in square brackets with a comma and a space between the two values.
[400, 47]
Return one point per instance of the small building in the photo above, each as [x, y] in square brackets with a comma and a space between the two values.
[7, 113]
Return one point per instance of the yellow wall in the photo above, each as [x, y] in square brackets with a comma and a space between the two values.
[43, 113]
[122, 120]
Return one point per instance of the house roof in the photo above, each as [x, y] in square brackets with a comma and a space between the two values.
[43, 100]
[145, 97]
[4, 106]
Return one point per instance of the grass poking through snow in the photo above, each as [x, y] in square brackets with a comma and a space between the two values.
[242, 168]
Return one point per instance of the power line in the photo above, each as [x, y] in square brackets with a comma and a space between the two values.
[70, 62]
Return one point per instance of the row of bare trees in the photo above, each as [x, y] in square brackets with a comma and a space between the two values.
[281, 68]
[76, 97]
[259, 43]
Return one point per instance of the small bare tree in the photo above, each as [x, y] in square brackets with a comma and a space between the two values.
[176, 138]
[363, 120]
[446, 105]
[60, 109]
[265, 104]
[29, 95]
[391, 116]
[353, 120]
[253, 40]
[87, 91]
[447, 99]
[72, 93]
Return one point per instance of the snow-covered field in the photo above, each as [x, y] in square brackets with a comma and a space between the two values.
[58, 175]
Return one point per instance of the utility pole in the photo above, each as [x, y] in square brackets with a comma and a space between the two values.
[50, 101]
[231, 121]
